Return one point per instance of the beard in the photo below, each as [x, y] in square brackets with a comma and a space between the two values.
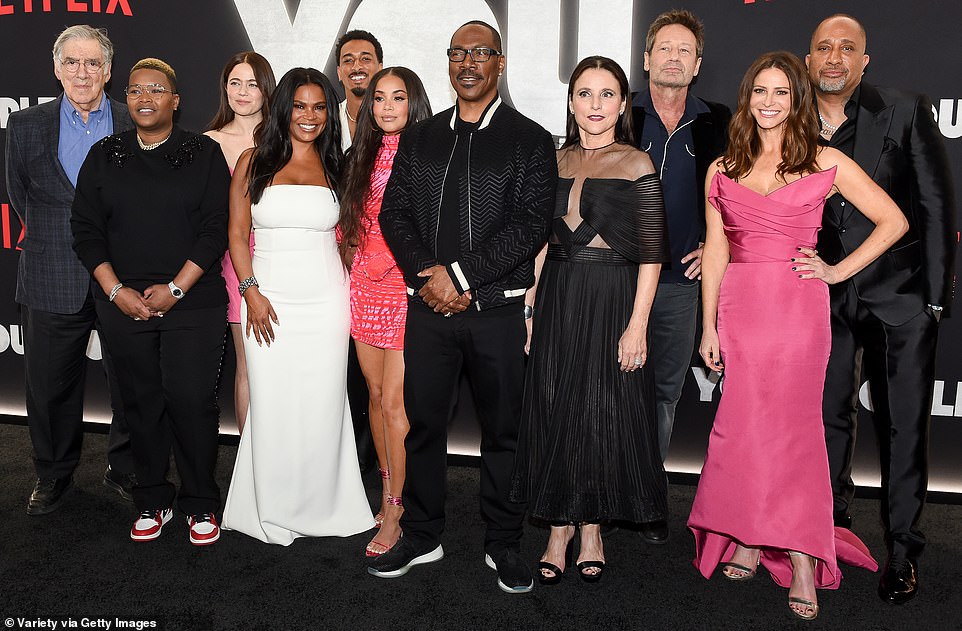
[832, 86]
[359, 92]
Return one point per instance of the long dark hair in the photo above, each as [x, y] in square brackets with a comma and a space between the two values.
[624, 130]
[273, 138]
[264, 76]
[359, 163]
[800, 137]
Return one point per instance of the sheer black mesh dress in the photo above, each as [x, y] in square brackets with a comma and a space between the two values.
[588, 445]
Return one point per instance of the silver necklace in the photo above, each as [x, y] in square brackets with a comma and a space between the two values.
[151, 146]
[827, 128]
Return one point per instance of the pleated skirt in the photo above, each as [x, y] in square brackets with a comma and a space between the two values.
[588, 445]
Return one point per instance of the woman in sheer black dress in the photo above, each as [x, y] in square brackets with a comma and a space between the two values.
[588, 449]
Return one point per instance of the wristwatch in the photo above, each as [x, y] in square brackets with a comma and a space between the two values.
[175, 291]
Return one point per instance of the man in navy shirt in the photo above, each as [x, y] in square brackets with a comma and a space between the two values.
[46, 146]
[683, 135]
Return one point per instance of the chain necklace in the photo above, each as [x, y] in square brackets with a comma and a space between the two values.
[347, 111]
[151, 146]
[827, 128]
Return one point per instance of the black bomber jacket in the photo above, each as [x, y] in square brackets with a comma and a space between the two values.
[506, 211]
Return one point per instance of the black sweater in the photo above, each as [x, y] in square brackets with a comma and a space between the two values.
[506, 204]
[148, 212]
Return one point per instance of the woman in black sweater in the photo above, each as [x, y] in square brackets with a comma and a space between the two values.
[150, 223]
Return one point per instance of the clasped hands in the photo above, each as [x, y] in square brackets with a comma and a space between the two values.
[154, 302]
[439, 292]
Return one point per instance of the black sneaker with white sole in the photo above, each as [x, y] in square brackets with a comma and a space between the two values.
[402, 557]
[514, 575]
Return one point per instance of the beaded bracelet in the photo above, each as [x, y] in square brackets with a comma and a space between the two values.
[116, 290]
[246, 284]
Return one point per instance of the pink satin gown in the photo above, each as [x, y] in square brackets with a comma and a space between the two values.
[765, 482]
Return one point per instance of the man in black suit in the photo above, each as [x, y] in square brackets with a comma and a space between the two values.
[683, 135]
[46, 145]
[889, 312]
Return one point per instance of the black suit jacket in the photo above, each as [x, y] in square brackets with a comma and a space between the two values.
[709, 131]
[49, 274]
[898, 143]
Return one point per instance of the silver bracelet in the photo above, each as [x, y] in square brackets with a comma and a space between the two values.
[246, 284]
[116, 290]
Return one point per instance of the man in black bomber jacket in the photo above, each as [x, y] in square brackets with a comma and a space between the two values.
[468, 206]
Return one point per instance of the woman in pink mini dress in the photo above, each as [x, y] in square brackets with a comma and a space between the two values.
[247, 83]
[395, 100]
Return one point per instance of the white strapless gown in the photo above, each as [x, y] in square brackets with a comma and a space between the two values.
[296, 473]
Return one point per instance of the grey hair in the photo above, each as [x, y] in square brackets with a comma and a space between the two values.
[83, 31]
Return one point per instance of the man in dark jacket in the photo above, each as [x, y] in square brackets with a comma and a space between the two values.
[468, 206]
[683, 135]
[889, 312]
[46, 145]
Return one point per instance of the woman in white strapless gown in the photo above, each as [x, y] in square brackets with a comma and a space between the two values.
[296, 473]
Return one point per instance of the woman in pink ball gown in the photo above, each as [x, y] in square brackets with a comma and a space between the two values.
[764, 497]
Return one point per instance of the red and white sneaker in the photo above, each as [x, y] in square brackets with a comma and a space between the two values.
[203, 529]
[149, 524]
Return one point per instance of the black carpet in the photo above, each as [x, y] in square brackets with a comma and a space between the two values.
[80, 562]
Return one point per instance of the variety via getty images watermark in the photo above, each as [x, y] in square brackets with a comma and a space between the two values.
[107, 623]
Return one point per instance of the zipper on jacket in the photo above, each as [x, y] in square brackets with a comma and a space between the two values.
[437, 226]
[470, 218]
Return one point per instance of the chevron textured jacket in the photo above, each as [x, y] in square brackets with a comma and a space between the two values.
[506, 205]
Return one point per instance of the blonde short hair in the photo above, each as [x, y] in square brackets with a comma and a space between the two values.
[152, 63]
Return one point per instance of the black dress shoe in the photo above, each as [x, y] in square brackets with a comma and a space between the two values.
[654, 532]
[123, 483]
[900, 581]
[48, 494]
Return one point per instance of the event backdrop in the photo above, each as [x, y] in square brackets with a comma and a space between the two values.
[913, 45]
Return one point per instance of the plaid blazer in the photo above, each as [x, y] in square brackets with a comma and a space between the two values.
[49, 274]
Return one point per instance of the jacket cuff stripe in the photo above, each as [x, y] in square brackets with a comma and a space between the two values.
[459, 278]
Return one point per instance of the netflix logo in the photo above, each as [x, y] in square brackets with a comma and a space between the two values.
[9, 7]
[10, 225]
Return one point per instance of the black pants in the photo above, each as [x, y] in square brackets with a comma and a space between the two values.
[167, 370]
[490, 349]
[900, 364]
[55, 363]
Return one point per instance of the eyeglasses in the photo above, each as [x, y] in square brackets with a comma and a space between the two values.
[153, 89]
[72, 65]
[480, 54]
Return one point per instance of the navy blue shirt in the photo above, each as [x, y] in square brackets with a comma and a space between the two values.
[674, 158]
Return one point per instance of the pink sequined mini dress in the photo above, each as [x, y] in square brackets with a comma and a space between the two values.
[378, 291]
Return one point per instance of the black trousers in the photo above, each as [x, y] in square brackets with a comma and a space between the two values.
[899, 362]
[55, 364]
[490, 350]
[167, 370]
